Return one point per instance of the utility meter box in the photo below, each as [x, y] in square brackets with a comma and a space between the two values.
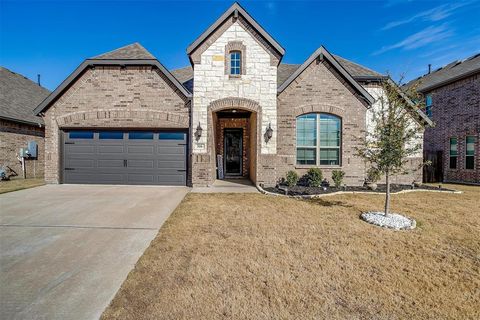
[32, 149]
[23, 153]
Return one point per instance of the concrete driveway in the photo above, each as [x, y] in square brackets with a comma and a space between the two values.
[66, 249]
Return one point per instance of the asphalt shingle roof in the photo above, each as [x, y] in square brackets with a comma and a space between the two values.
[19, 96]
[444, 75]
[285, 70]
[132, 51]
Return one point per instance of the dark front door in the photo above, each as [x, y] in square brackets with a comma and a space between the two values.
[233, 152]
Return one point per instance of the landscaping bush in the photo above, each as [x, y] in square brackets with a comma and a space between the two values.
[315, 177]
[291, 178]
[337, 177]
[373, 175]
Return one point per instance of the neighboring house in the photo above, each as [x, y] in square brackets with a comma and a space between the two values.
[122, 117]
[18, 124]
[452, 97]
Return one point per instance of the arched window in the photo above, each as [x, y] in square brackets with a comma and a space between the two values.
[235, 62]
[318, 139]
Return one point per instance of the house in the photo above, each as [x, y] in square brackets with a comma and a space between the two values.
[452, 95]
[237, 111]
[18, 124]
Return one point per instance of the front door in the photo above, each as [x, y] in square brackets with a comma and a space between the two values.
[233, 152]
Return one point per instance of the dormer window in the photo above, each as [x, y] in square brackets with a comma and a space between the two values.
[235, 63]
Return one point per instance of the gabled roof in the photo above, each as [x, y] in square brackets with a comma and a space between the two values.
[18, 98]
[127, 55]
[452, 72]
[129, 52]
[323, 53]
[418, 114]
[285, 70]
[235, 10]
[358, 71]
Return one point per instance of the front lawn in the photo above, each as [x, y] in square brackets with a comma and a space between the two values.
[251, 256]
[19, 184]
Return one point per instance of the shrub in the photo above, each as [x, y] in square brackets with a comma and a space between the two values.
[291, 178]
[315, 177]
[373, 175]
[337, 177]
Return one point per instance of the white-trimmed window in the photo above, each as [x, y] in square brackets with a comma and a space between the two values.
[235, 63]
[319, 139]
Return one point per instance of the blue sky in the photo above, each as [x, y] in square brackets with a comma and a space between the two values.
[396, 36]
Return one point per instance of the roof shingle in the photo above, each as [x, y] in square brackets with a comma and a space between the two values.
[284, 71]
[19, 96]
[447, 74]
[134, 51]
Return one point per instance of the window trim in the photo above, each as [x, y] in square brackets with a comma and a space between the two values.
[466, 149]
[318, 146]
[231, 47]
[233, 68]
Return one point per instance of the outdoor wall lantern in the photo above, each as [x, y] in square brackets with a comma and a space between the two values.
[269, 133]
[198, 132]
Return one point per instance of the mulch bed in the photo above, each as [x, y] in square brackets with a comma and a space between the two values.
[304, 191]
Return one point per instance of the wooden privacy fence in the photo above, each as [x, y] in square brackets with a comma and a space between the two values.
[433, 172]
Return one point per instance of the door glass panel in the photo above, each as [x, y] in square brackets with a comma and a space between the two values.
[140, 135]
[110, 135]
[80, 134]
[233, 152]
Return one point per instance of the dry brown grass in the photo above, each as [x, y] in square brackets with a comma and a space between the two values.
[250, 256]
[19, 184]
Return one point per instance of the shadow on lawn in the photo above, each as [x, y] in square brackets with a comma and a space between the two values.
[328, 203]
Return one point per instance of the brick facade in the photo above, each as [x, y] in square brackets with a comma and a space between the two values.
[13, 136]
[321, 89]
[456, 114]
[129, 97]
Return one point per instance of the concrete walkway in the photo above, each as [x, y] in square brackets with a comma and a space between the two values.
[66, 249]
[228, 186]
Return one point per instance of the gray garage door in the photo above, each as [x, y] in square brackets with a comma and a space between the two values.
[125, 157]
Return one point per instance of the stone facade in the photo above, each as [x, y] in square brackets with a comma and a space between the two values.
[113, 97]
[258, 84]
[13, 136]
[456, 114]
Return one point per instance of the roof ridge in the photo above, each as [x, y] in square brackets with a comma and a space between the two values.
[130, 51]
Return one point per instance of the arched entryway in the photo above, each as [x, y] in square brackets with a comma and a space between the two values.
[235, 126]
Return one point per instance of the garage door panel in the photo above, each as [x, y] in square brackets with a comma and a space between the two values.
[161, 160]
[143, 164]
[79, 148]
[80, 163]
[95, 178]
[106, 149]
[110, 163]
[171, 164]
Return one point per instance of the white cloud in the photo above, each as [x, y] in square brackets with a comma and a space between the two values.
[432, 15]
[420, 39]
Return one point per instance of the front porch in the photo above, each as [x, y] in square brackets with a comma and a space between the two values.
[235, 145]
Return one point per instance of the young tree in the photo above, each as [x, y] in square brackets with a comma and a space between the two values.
[393, 135]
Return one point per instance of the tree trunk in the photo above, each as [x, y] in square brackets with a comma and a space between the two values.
[387, 193]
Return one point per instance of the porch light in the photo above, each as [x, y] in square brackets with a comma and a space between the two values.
[269, 132]
[198, 132]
